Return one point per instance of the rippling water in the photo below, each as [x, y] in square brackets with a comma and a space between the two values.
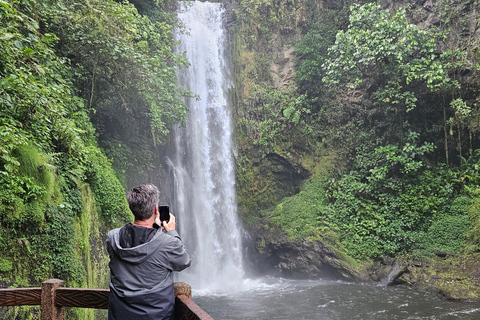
[330, 300]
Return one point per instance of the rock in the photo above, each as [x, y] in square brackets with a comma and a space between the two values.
[282, 69]
[397, 268]
[454, 277]
[298, 259]
[387, 270]
[443, 254]
[276, 178]
[284, 171]
[333, 4]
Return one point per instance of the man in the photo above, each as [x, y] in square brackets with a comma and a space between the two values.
[143, 256]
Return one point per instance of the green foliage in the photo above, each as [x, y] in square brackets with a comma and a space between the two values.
[389, 201]
[20, 313]
[272, 114]
[48, 152]
[65, 264]
[37, 166]
[299, 215]
[444, 235]
[265, 18]
[27, 184]
[469, 177]
[126, 73]
[473, 235]
[392, 99]
[5, 265]
[392, 203]
[109, 192]
[313, 51]
[378, 45]
[420, 214]
[391, 162]
[268, 115]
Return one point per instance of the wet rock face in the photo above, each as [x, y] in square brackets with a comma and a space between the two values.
[272, 253]
[333, 4]
[275, 179]
[387, 271]
[284, 171]
[283, 70]
[305, 259]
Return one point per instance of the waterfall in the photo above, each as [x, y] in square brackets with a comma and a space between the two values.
[202, 166]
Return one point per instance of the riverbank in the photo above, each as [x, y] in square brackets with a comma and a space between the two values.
[270, 251]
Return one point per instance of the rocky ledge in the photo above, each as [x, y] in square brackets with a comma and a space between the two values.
[272, 252]
[456, 277]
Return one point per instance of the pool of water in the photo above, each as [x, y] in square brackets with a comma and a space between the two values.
[271, 298]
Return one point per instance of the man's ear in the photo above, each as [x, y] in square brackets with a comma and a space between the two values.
[155, 212]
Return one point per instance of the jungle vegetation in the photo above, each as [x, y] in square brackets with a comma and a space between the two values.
[88, 93]
[382, 109]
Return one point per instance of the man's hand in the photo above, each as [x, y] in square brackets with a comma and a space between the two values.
[157, 217]
[170, 225]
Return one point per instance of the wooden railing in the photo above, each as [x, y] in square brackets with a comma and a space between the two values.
[53, 297]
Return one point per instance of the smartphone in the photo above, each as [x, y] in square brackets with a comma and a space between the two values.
[164, 213]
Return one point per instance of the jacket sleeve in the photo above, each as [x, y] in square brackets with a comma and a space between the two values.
[177, 255]
[110, 240]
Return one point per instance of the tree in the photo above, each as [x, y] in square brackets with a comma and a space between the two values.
[390, 52]
[124, 67]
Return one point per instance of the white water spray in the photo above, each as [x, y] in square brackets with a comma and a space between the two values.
[203, 164]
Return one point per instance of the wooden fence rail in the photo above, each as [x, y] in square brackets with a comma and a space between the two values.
[53, 297]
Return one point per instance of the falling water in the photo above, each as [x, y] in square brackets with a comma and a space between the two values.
[203, 165]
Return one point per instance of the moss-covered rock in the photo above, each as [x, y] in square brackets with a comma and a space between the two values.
[268, 181]
[455, 277]
[272, 252]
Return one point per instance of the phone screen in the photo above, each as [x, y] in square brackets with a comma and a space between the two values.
[164, 213]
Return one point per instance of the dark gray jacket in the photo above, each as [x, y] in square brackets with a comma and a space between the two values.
[141, 277]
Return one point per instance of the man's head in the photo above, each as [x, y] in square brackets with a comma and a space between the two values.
[142, 201]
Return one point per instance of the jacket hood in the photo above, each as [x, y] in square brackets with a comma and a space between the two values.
[135, 254]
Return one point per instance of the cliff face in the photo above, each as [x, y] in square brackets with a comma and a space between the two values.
[72, 248]
[263, 59]
[272, 164]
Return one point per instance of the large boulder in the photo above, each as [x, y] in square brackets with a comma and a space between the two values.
[270, 251]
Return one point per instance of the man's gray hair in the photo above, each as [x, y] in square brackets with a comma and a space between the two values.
[142, 201]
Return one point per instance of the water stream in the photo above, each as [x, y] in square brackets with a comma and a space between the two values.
[203, 163]
[203, 199]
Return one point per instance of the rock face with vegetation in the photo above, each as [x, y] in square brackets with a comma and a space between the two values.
[379, 104]
[87, 93]
[272, 252]
[455, 277]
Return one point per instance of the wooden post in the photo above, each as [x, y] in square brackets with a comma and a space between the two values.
[48, 309]
[182, 288]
